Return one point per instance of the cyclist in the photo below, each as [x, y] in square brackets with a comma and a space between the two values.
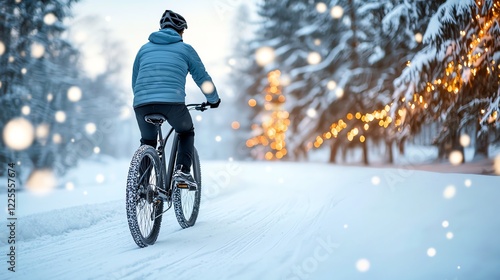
[158, 82]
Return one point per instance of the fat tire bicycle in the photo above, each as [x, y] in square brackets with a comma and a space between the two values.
[150, 186]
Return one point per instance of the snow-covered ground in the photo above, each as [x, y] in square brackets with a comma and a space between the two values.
[267, 221]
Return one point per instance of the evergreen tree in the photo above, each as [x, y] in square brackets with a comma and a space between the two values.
[43, 84]
[454, 79]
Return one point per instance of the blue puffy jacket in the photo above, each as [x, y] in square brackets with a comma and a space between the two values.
[161, 67]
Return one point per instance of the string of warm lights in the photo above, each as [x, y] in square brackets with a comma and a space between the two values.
[275, 123]
[455, 75]
[379, 117]
[466, 69]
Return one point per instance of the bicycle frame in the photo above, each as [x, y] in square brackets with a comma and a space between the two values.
[166, 180]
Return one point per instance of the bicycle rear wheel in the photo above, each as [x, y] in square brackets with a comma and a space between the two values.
[186, 202]
[143, 208]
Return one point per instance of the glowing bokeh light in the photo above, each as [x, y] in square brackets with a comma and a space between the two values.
[57, 138]
[235, 125]
[331, 85]
[456, 158]
[465, 140]
[337, 12]
[207, 87]
[264, 56]
[321, 7]
[2, 48]
[18, 134]
[42, 131]
[313, 58]
[37, 50]
[252, 102]
[60, 116]
[49, 19]
[418, 37]
[26, 110]
[339, 92]
[41, 181]
[375, 180]
[218, 138]
[496, 165]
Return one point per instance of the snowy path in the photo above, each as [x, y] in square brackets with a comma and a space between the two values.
[274, 221]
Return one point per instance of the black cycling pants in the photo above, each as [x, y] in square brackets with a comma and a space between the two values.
[179, 118]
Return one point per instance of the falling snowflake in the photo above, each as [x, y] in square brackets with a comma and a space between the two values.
[375, 180]
[90, 128]
[311, 112]
[449, 235]
[445, 224]
[468, 183]
[431, 252]
[363, 265]
[449, 192]
[99, 178]
[74, 94]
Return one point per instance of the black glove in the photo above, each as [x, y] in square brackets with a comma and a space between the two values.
[214, 105]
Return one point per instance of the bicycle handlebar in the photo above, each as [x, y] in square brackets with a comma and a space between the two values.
[199, 107]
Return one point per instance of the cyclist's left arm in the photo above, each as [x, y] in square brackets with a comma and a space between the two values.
[200, 75]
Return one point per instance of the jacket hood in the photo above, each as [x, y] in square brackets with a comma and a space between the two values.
[165, 36]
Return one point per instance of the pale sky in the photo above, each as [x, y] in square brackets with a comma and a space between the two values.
[131, 21]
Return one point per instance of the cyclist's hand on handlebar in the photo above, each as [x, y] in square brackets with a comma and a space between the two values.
[213, 105]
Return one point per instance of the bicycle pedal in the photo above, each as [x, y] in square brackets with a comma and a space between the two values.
[186, 186]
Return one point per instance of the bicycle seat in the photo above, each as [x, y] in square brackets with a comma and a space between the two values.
[155, 118]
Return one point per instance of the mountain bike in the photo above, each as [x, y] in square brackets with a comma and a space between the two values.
[150, 185]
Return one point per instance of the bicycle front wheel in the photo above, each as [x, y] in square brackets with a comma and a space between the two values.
[144, 209]
[186, 202]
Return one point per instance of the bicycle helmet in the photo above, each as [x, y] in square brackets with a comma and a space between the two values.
[173, 20]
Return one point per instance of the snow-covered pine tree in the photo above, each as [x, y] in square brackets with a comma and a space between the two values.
[42, 83]
[455, 77]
